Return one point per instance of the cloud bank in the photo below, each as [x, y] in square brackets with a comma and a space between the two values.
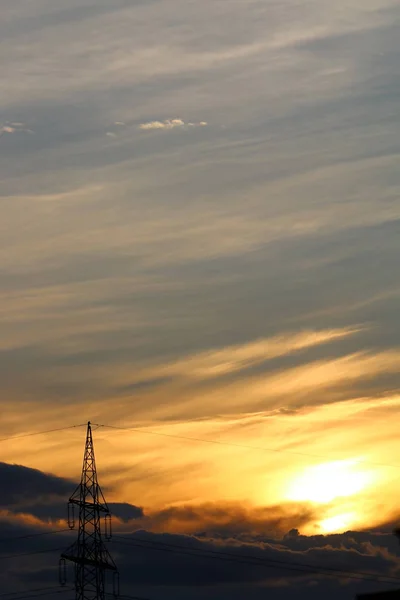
[169, 124]
[216, 560]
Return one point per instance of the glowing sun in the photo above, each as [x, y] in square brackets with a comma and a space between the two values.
[338, 523]
[323, 483]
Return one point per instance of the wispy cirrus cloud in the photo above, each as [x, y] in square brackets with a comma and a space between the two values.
[231, 359]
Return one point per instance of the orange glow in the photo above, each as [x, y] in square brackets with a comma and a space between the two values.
[338, 523]
[304, 459]
[327, 481]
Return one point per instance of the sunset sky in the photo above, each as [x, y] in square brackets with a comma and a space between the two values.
[199, 244]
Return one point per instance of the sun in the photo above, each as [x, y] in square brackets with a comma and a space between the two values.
[325, 482]
[338, 523]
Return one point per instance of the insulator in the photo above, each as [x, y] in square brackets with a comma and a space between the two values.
[62, 571]
[115, 584]
[107, 527]
[71, 515]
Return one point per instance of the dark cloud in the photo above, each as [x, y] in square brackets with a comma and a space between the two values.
[151, 563]
[31, 492]
[173, 560]
[19, 484]
[253, 550]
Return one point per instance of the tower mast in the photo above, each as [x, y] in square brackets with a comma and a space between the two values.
[88, 552]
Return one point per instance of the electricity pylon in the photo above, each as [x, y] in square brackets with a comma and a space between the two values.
[89, 553]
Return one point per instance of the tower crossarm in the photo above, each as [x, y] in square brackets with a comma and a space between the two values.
[90, 505]
[89, 561]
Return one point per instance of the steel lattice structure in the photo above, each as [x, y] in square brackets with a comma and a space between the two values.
[89, 553]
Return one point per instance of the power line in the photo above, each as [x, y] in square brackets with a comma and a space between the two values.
[269, 563]
[30, 553]
[128, 597]
[237, 445]
[54, 587]
[202, 440]
[32, 535]
[256, 561]
[207, 553]
[24, 435]
[62, 591]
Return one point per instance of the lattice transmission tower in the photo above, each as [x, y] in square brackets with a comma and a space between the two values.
[89, 554]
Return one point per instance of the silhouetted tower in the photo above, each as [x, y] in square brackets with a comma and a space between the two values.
[89, 553]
